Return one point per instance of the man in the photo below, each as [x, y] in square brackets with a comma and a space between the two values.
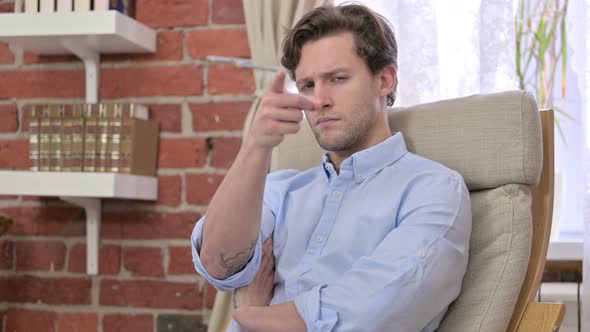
[374, 239]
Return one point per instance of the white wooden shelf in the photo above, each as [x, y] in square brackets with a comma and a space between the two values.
[78, 184]
[85, 34]
[85, 190]
[559, 292]
[565, 250]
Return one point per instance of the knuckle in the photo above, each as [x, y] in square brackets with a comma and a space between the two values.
[267, 99]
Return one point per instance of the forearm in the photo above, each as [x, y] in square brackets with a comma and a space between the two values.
[279, 317]
[234, 215]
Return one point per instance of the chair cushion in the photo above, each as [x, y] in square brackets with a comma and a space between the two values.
[499, 254]
[491, 139]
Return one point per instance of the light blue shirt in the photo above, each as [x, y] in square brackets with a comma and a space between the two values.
[382, 246]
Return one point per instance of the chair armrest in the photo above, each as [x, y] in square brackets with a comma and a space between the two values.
[221, 313]
[541, 317]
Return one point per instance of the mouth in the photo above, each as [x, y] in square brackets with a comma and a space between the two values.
[325, 121]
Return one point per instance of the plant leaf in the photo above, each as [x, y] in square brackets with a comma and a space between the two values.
[564, 113]
[560, 130]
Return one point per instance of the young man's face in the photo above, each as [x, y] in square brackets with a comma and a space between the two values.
[331, 72]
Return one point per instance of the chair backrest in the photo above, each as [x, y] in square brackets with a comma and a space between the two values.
[542, 209]
[495, 142]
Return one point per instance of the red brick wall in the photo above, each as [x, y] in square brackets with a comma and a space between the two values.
[146, 281]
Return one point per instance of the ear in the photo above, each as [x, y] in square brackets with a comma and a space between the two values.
[387, 80]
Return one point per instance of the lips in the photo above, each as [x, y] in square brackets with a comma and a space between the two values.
[326, 120]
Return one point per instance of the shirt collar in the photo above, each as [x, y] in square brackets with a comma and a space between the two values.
[372, 160]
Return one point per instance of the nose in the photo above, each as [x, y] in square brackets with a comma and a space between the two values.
[323, 96]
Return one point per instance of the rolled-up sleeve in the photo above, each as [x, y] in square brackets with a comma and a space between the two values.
[275, 188]
[409, 280]
[317, 317]
[246, 275]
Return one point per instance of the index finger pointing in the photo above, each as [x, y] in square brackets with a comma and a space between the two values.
[278, 83]
[298, 101]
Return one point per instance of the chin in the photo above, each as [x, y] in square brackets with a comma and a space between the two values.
[333, 146]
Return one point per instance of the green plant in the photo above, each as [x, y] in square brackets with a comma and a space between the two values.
[541, 38]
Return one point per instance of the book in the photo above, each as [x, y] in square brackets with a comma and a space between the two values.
[91, 113]
[138, 147]
[126, 7]
[77, 132]
[55, 132]
[72, 144]
[117, 5]
[109, 131]
[114, 115]
[129, 6]
[106, 111]
[31, 6]
[137, 111]
[82, 5]
[34, 118]
[66, 138]
[18, 6]
[64, 5]
[44, 136]
[47, 6]
[101, 5]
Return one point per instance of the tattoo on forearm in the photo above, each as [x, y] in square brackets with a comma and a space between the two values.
[236, 263]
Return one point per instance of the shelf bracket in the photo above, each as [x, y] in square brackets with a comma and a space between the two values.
[92, 207]
[91, 59]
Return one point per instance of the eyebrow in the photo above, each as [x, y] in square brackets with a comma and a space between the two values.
[324, 75]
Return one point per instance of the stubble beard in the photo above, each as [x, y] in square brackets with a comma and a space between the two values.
[352, 136]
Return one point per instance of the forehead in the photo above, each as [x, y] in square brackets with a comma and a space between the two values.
[325, 54]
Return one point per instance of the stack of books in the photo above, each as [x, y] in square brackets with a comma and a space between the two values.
[106, 137]
[126, 7]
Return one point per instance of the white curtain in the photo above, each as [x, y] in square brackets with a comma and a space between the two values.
[453, 48]
[267, 22]
[460, 47]
[583, 24]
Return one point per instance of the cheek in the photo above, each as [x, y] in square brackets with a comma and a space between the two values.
[309, 116]
[358, 90]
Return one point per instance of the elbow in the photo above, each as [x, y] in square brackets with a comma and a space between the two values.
[211, 265]
[210, 258]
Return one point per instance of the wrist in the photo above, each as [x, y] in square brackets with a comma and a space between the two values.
[254, 155]
[239, 314]
[251, 148]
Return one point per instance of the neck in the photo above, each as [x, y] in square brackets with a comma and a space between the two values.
[380, 133]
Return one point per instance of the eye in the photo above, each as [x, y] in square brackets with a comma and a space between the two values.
[339, 78]
[306, 86]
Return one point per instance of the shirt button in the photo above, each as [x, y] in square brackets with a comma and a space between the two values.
[360, 178]
[318, 238]
[327, 167]
[336, 194]
[422, 253]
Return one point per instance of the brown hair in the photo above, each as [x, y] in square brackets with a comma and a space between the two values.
[374, 38]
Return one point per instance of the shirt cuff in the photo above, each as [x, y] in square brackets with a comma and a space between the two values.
[317, 318]
[237, 280]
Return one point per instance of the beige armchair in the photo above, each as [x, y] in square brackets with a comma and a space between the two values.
[503, 147]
